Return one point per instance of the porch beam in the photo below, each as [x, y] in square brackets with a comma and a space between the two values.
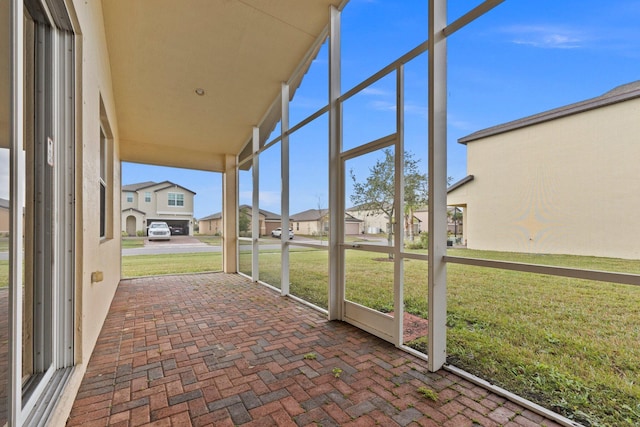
[437, 184]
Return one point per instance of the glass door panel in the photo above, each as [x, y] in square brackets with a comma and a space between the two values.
[245, 246]
[370, 198]
[368, 240]
[5, 236]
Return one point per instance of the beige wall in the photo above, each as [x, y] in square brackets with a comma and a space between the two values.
[210, 226]
[373, 222]
[310, 228]
[93, 255]
[4, 220]
[567, 186]
[162, 204]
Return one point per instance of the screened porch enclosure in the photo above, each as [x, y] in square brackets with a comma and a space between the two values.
[368, 148]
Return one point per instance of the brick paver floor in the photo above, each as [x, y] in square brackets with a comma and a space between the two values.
[217, 350]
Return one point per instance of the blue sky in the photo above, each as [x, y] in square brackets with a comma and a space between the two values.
[522, 58]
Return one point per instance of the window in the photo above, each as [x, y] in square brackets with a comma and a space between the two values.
[103, 184]
[106, 176]
[176, 199]
[147, 196]
[129, 197]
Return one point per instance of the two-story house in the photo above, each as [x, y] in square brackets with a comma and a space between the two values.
[145, 202]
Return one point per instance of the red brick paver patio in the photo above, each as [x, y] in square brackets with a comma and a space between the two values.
[217, 350]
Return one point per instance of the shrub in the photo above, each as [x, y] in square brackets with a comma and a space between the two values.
[421, 243]
[140, 233]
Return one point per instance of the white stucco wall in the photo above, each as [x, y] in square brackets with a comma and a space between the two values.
[567, 186]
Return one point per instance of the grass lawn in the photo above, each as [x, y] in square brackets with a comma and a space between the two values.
[209, 240]
[153, 265]
[132, 242]
[4, 244]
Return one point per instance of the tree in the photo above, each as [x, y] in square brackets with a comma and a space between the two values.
[456, 218]
[416, 192]
[244, 221]
[322, 214]
[377, 192]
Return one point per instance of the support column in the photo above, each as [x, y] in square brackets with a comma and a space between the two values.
[398, 227]
[255, 212]
[336, 190]
[437, 184]
[284, 196]
[230, 215]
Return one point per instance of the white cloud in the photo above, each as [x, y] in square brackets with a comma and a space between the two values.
[546, 36]
[372, 91]
[270, 200]
[382, 105]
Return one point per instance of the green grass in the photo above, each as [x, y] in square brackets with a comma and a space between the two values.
[153, 265]
[4, 244]
[132, 242]
[570, 345]
[209, 240]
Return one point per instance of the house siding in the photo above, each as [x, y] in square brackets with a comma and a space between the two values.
[158, 208]
[556, 187]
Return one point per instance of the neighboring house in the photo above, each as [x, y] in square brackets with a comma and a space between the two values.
[212, 224]
[4, 215]
[454, 219]
[315, 222]
[558, 182]
[146, 202]
[375, 222]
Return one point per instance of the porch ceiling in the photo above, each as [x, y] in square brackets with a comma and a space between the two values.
[238, 51]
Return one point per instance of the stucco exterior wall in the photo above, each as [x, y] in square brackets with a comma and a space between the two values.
[163, 208]
[310, 228]
[373, 222]
[4, 220]
[566, 186]
[210, 226]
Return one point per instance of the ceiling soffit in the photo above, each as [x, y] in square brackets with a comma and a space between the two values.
[238, 52]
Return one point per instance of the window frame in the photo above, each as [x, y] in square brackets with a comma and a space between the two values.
[105, 180]
[177, 199]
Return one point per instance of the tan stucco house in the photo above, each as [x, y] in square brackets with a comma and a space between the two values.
[454, 220]
[4, 215]
[315, 222]
[146, 202]
[213, 224]
[376, 222]
[566, 181]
